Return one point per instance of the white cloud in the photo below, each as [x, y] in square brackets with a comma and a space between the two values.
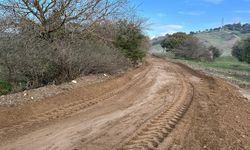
[161, 15]
[169, 28]
[243, 11]
[214, 1]
[152, 37]
[191, 13]
[172, 27]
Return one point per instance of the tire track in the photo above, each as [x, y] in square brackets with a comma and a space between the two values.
[70, 109]
[152, 134]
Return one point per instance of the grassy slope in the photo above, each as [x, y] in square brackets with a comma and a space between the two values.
[226, 63]
[224, 40]
[226, 67]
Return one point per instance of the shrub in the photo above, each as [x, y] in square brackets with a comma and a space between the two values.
[216, 52]
[72, 38]
[38, 62]
[186, 46]
[130, 40]
[241, 50]
[5, 87]
[174, 41]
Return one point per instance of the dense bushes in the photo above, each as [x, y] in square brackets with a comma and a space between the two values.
[130, 40]
[216, 52]
[38, 62]
[174, 41]
[241, 50]
[53, 46]
[186, 46]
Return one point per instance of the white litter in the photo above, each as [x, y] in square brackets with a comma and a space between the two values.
[74, 81]
[32, 98]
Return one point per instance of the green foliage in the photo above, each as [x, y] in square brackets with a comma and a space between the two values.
[130, 39]
[225, 66]
[227, 63]
[216, 52]
[174, 41]
[243, 28]
[5, 87]
[186, 46]
[242, 50]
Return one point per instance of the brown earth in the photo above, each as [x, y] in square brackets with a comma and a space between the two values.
[161, 105]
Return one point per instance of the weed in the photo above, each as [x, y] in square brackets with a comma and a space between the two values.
[5, 87]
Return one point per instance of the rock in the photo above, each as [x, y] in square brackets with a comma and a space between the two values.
[74, 81]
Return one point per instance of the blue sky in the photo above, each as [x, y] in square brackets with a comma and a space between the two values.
[169, 16]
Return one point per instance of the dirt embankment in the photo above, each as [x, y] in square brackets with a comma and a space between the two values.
[159, 106]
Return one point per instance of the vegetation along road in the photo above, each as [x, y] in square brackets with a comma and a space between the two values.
[161, 105]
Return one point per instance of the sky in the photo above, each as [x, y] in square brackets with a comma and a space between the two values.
[170, 16]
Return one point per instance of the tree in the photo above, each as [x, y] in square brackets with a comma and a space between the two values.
[187, 46]
[216, 52]
[130, 40]
[241, 50]
[192, 48]
[53, 41]
[49, 16]
[173, 41]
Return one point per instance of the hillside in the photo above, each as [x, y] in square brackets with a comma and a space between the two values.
[224, 40]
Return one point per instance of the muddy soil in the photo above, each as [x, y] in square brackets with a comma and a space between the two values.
[161, 105]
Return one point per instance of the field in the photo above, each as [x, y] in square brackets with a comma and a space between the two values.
[226, 67]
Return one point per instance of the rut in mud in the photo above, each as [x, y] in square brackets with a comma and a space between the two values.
[161, 105]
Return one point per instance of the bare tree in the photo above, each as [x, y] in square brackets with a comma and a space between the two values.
[52, 41]
[49, 16]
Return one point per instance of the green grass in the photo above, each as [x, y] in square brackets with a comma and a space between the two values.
[227, 67]
[224, 63]
[5, 87]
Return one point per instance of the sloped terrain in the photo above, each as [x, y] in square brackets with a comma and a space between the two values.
[224, 40]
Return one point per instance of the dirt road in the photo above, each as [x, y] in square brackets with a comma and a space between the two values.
[161, 105]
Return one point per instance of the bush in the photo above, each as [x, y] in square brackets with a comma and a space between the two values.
[72, 38]
[241, 50]
[130, 40]
[216, 52]
[174, 41]
[186, 46]
[39, 62]
[62, 45]
[5, 87]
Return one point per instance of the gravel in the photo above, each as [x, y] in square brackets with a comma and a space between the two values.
[35, 95]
